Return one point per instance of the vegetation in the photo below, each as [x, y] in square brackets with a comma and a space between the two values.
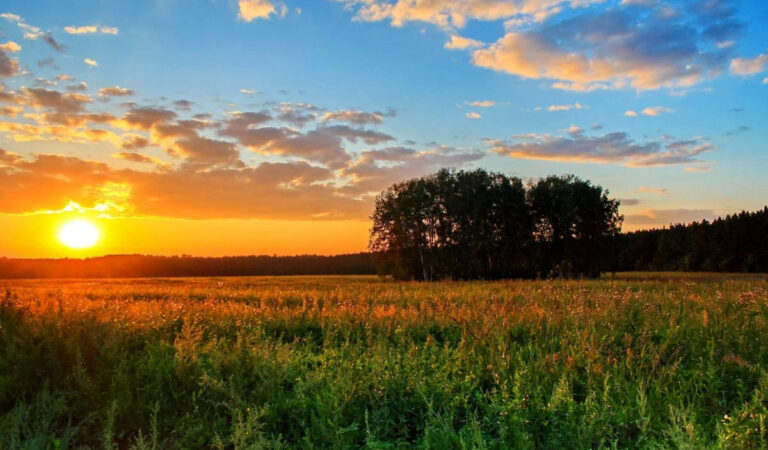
[735, 243]
[127, 266]
[645, 361]
[475, 224]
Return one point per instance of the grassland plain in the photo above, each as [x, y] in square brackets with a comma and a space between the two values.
[635, 361]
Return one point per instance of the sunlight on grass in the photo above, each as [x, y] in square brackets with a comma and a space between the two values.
[352, 361]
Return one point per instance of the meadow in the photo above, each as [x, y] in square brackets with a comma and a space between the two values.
[656, 360]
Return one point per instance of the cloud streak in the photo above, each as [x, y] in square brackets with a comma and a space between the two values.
[615, 148]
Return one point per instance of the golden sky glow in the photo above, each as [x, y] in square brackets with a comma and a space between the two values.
[37, 235]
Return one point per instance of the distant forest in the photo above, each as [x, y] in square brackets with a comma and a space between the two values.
[129, 266]
[735, 243]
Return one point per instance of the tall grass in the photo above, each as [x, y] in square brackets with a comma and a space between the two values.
[345, 362]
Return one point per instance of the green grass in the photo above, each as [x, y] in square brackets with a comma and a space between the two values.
[632, 361]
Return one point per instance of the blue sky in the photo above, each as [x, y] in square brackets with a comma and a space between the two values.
[661, 102]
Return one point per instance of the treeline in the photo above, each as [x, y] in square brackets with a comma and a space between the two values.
[735, 243]
[483, 225]
[129, 266]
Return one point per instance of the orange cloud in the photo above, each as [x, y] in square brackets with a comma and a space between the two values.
[250, 10]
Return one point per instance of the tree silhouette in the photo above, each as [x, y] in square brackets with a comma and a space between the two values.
[478, 224]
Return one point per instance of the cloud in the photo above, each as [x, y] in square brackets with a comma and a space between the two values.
[630, 113]
[452, 14]
[656, 110]
[184, 105]
[374, 170]
[30, 31]
[615, 148]
[8, 66]
[114, 91]
[10, 47]
[662, 217]
[56, 45]
[8, 157]
[145, 118]
[87, 29]
[249, 91]
[566, 107]
[315, 174]
[284, 190]
[78, 87]
[91, 29]
[612, 49]
[134, 142]
[482, 103]
[91, 62]
[208, 151]
[747, 66]
[250, 10]
[473, 115]
[56, 101]
[141, 159]
[461, 43]
[648, 190]
[699, 169]
[355, 116]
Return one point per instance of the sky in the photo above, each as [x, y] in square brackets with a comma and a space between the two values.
[234, 127]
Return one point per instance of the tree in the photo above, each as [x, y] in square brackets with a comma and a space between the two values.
[574, 225]
[456, 225]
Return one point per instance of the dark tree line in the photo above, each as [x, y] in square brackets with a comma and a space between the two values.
[735, 243]
[129, 266]
[476, 224]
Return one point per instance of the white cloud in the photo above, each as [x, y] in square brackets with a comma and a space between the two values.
[656, 110]
[86, 29]
[90, 62]
[747, 66]
[473, 115]
[462, 43]
[566, 107]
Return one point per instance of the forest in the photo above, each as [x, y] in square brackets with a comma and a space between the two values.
[734, 243]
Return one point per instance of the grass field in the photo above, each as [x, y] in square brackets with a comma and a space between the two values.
[631, 361]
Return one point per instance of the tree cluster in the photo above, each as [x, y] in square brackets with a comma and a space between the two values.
[735, 243]
[484, 225]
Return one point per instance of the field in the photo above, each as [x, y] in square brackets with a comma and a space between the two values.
[633, 361]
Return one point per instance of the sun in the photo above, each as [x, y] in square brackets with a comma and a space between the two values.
[79, 233]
